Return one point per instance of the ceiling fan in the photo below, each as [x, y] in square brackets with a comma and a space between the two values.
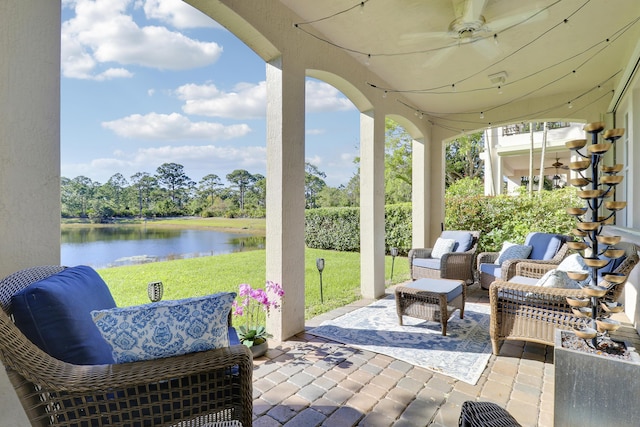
[470, 27]
[556, 165]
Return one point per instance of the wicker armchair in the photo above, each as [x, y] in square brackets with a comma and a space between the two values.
[452, 265]
[188, 390]
[532, 313]
[489, 272]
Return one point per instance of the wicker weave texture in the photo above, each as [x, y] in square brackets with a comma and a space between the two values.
[485, 414]
[453, 265]
[532, 313]
[426, 305]
[189, 391]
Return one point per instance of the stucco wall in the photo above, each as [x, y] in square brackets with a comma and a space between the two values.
[29, 134]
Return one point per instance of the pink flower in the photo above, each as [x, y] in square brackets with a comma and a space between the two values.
[255, 303]
[237, 309]
[244, 290]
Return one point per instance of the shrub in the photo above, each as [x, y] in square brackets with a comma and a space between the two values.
[339, 228]
[503, 217]
[333, 228]
[397, 227]
[498, 218]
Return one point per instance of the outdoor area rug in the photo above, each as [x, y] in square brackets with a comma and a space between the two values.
[462, 354]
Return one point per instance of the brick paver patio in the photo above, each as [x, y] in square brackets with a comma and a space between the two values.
[310, 381]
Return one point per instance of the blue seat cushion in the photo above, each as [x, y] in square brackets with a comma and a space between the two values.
[545, 245]
[233, 336]
[54, 314]
[491, 269]
[452, 288]
[432, 263]
[464, 239]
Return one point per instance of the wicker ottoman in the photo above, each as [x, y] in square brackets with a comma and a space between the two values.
[431, 299]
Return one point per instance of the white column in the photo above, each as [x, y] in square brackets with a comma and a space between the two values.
[372, 231]
[435, 191]
[419, 196]
[29, 134]
[285, 194]
[492, 182]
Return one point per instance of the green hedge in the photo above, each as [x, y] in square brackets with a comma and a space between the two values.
[333, 228]
[503, 217]
[498, 219]
[339, 228]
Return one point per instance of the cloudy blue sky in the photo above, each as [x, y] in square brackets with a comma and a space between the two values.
[146, 82]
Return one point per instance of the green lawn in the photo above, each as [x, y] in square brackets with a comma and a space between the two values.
[206, 275]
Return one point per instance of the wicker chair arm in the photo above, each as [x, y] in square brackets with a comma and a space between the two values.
[453, 264]
[508, 268]
[530, 295]
[418, 253]
[106, 377]
[534, 270]
[487, 258]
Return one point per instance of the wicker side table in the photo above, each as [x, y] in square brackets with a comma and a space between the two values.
[431, 299]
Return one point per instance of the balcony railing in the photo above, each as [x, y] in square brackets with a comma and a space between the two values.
[518, 128]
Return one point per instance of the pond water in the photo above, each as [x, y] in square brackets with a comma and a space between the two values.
[102, 247]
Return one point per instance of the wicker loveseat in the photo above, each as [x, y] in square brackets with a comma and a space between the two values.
[188, 390]
[547, 248]
[525, 312]
[458, 264]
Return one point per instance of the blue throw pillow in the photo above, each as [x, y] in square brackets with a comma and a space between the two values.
[544, 245]
[512, 251]
[166, 328]
[463, 239]
[54, 314]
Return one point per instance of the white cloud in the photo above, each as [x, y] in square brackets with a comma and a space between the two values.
[248, 100]
[314, 131]
[322, 97]
[103, 32]
[174, 126]
[315, 160]
[178, 14]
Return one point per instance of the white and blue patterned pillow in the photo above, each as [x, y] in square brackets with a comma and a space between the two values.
[442, 246]
[513, 251]
[166, 328]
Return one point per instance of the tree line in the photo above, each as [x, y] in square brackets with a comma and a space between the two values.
[171, 192]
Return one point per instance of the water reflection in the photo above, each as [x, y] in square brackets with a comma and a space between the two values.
[97, 234]
[114, 246]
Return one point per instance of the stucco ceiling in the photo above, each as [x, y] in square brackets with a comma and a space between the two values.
[446, 56]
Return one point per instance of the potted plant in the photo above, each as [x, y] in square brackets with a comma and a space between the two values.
[253, 306]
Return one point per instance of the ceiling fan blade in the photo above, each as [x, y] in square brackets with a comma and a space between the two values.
[410, 38]
[472, 10]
